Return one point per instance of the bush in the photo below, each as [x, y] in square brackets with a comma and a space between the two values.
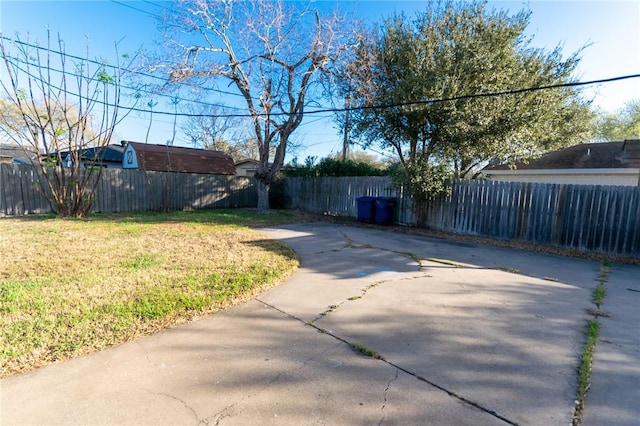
[334, 168]
[277, 197]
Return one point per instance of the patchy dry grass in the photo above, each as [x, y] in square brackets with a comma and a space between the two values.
[70, 287]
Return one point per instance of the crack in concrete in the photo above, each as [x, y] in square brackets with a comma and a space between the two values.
[588, 350]
[327, 312]
[220, 415]
[398, 367]
[384, 404]
[453, 394]
[610, 342]
[350, 243]
[363, 292]
[184, 403]
[219, 419]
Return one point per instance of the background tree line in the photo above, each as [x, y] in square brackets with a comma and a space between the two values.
[332, 166]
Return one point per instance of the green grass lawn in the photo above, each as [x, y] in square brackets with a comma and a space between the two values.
[71, 287]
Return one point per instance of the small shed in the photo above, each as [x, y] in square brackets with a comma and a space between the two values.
[165, 158]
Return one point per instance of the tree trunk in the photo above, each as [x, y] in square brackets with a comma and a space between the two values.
[263, 196]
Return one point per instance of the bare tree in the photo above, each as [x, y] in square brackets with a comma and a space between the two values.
[272, 52]
[210, 129]
[58, 108]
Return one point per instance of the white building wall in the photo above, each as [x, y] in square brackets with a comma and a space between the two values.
[129, 160]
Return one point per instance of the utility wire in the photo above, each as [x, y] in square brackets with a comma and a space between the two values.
[315, 120]
[365, 107]
[441, 100]
[343, 109]
[356, 108]
[153, 4]
[65, 54]
[135, 89]
[106, 65]
[136, 9]
[479, 95]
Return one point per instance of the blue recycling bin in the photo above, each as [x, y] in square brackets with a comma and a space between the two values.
[366, 209]
[385, 210]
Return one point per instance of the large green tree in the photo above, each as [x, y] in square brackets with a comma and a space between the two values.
[413, 80]
[620, 125]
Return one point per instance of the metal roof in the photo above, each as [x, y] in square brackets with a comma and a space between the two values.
[184, 160]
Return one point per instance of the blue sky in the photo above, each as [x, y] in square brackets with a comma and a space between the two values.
[611, 28]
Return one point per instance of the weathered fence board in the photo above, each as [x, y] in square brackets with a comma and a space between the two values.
[21, 191]
[120, 190]
[584, 217]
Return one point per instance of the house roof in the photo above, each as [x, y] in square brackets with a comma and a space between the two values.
[16, 153]
[247, 161]
[108, 153]
[181, 159]
[607, 155]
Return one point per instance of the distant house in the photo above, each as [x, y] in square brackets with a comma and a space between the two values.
[609, 163]
[166, 158]
[107, 156]
[16, 154]
[246, 167]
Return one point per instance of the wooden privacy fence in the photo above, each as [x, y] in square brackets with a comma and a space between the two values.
[585, 217]
[335, 195]
[590, 218]
[129, 190]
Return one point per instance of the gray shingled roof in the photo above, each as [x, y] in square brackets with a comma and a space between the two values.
[18, 153]
[607, 155]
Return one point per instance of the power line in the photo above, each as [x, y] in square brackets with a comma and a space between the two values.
[332, 110]
[479, 95]
[453, 98]
[437, 100]
[57, 52]
[315, 120]
[357, 108]
[107, 65]
[129, 109]
[153, 4]
[366, 107]
[135, 8]
[136, 89]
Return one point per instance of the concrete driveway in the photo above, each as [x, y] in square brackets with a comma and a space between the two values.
[362, 334]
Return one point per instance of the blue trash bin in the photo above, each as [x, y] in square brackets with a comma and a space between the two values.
[366, 209]
[385, 210]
